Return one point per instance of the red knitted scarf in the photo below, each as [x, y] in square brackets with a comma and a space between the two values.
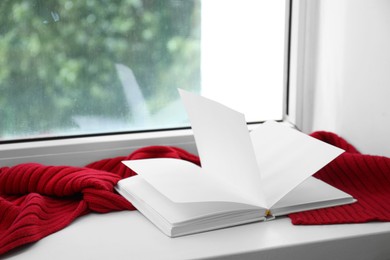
[365, 177]
[37, 200]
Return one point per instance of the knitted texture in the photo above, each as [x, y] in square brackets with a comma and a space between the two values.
[365, 177]
[38, 200]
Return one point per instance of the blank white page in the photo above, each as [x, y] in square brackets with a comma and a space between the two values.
[287, 157]
[182, 181]
[224, 146]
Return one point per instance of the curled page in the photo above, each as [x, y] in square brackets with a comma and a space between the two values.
[287, 157]
[224, 145]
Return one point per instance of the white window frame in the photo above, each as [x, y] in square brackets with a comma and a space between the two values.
[80, 151]
[303, 37]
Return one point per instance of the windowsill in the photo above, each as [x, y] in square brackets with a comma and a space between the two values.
[81, 151]
[128, 235]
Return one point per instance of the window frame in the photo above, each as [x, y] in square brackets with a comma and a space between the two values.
[302, 41]
[81, 150]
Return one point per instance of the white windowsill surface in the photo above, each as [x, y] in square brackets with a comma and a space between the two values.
[128, 235]
[84, 150]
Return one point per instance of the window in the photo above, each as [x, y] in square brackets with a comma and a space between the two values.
[86, 80]
[85, 67]
[75, 67]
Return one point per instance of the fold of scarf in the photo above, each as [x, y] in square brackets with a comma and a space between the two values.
[365, 177]
[38, 200]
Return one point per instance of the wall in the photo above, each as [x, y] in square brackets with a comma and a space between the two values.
[348, 88]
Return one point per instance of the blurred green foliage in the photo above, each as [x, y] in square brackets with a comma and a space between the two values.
[57, 58]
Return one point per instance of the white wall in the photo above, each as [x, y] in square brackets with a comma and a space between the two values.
[348, 88]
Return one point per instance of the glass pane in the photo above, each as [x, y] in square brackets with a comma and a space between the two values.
[243, 55]
[79, 67]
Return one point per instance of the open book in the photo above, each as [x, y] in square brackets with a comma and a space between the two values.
[245, 176]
